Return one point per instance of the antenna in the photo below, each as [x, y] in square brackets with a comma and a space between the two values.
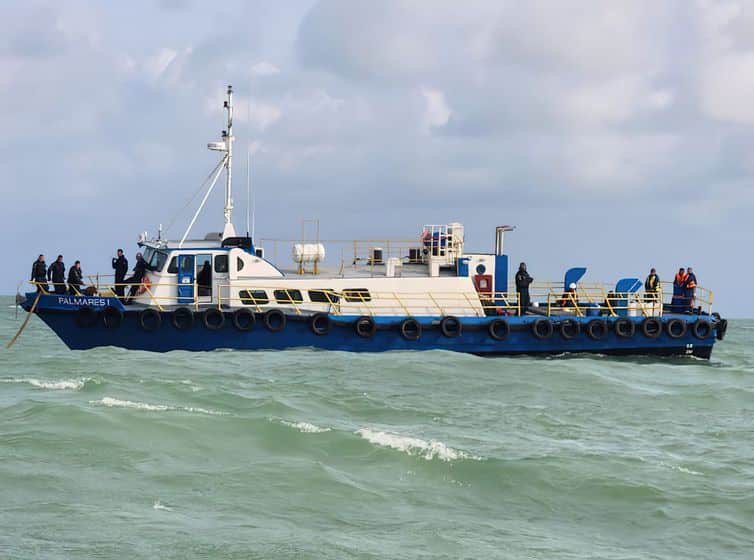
[228, 138]
[248, 185]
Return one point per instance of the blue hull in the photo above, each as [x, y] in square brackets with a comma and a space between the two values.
[474, 338]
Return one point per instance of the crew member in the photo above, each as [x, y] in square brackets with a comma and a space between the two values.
[120, 265]
[652, 287]
[568, 298]
[204, 280]
[39, 274]
[679, 302]
[690, 289]
[523, 280]
[56, 274]
[140, 270]
[75, 279]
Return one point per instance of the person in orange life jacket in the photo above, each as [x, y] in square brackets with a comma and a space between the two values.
[522, 288]
[75, 279]
[569, 296]
[679, 302]
[652, 287]
[690, 288]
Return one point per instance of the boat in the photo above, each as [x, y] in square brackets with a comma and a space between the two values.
[225, 291]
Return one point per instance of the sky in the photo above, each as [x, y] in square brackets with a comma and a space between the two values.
[614, 135]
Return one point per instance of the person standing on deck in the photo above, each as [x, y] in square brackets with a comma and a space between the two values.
[120, 265]
[140, 270]
[523, 280]
[56, 274]
[690, 289]
[39, 274]
[75, 279]
[652, 287]
[679, 302]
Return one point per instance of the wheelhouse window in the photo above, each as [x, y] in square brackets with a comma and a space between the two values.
[323, 296]
[239, 264]
[288, 296]
[358, 295]
[221, 263]
[155, 259]
[254, 297]
[173, 266]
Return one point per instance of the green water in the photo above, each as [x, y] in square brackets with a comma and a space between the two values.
[305, 454]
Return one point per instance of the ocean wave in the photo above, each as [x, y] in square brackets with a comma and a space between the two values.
[428, 450]
[158, 505]
[111, 402]
[305, 427]
[63, 384]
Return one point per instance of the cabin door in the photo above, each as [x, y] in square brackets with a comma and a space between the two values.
[204, 279]
[185, 278]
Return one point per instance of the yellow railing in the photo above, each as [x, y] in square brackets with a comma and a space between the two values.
[549, 297]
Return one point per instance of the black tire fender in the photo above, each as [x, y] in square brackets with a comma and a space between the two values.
[320, 324]
[244, 319]
[213, 319]
[150, 319]
[410, 329]
[112, 317]
[86, 317]
[570, 329]
[701, 329]
[596, 329]
[450, 326]
[624, 327]
[365, 326]
[542, 328]
[676, 328]
[651, 327]
[499, 329]
[274, 320]
[182, 319]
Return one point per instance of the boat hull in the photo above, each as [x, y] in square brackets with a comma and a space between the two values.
[474, 337]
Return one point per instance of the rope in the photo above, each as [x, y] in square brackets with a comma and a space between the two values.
[23, 326]
[193, 196]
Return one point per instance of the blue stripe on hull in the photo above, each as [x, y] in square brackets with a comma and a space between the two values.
[342, 337]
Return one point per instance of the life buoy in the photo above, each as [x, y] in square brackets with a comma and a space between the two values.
[676, 328]
[542, 328]
[274, 320]
[499, 329]
[624, 327]
[410, 329]
[213, 319]
[182, 319]
[112, 317]
[150, 319]
[651, 327]
[570, 329]
[596, 329]
[365, 327]
[145, 284]
[86, 317]
[450, 326]
[244, 319]
[701, 329]
[320, 324]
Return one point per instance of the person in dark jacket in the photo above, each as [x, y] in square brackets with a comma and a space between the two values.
[140, 270]
[39, 274]
[75, 281]
[56, 274]
[120, 265]
[690, 289]
[204, 280]
[652, 287]
[522, 288]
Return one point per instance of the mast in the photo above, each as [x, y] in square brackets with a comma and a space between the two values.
[228, 138]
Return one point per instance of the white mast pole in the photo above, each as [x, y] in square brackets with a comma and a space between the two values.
[229, 161]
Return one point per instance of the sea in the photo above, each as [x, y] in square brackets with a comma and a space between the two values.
[111, 453]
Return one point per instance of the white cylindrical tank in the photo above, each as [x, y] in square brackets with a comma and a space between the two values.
[308, 252]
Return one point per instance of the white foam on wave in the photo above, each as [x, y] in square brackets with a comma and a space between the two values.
[680, 468]
[63, 384]
[161, 507]
[414, 446]
[305, 427]
[118, 403]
